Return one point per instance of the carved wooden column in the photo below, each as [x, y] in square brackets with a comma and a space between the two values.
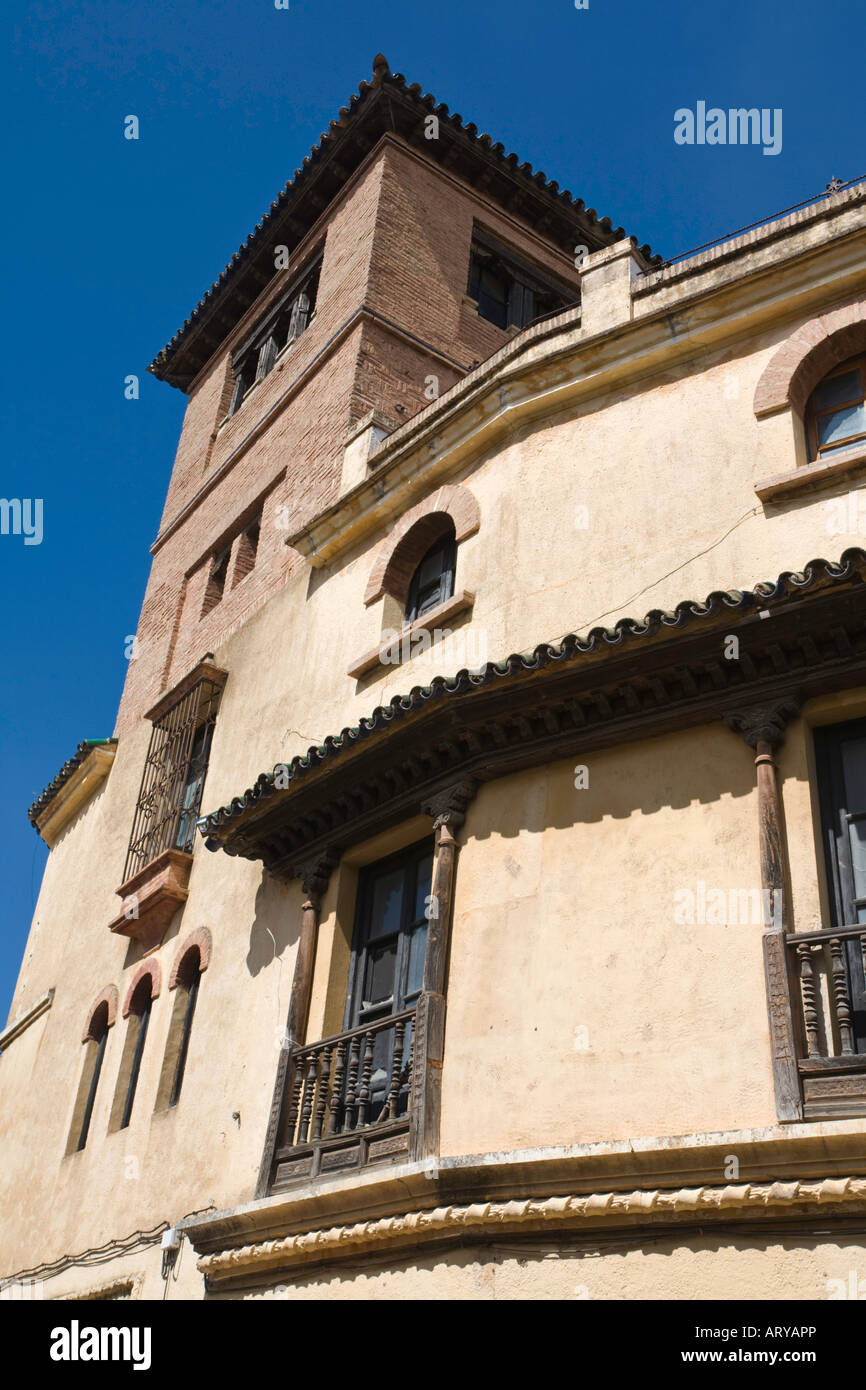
[314, 880]
[448, 812]
[763, 728]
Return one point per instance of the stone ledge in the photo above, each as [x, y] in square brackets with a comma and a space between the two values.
[461, 602]
[812, 475]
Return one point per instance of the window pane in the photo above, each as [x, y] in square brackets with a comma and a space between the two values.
[386, 904]
[425, 876]
[854, 773]
[846, 387]
[857, 834]
[379, 976]
[417, 943]
[841, 424]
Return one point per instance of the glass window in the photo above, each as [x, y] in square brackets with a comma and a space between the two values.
[836, 413]
[433, 580]
[841, 753]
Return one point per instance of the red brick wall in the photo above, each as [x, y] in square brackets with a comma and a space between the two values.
[396, 242]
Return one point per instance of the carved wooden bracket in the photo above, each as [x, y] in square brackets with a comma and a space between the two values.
[448, 807]
[763, 723]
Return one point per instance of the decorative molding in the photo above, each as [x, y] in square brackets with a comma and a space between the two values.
[204, 670]
[416, 1227]
[200, 940]
[763, 723]
[75, 791]
[147, 967]
[152, 897]
[448, 807]
[809, 354]
[22, 1023]
[108, 996]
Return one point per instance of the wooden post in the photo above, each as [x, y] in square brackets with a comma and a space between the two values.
[448, 812]
[314, 879]
[763, 728]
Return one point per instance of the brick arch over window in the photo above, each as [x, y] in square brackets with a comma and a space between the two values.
[147, 967]
[109, 998]
[808, 355]
[413, 535]
[199, 940]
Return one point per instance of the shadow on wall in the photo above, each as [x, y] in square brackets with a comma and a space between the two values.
[276, 922]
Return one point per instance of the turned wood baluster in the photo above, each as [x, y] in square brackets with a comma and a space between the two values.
[297, 1083]
[337, 1091]
[841, 996]
[396, 1068]
[307, 1106]
[366, 1070]
[322, 1095]
[351, 1083]
[810, 1003]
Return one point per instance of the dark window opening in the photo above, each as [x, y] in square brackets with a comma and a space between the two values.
[247, 550]
[841, 752]
[189, 983]
[387, 970]
[836, 411]
[510, 292]
[433, 580]
[97, 1042]
[139, 1020]
[292, 318]
[216, 581]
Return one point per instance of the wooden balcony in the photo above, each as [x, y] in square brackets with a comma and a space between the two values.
[831, 969]
[348, 1101]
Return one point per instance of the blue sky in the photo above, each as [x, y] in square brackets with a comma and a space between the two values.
[110, 243]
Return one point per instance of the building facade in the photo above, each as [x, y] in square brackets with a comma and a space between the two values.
[471, 899]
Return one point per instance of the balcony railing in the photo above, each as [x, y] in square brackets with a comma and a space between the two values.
[348, 1100]
[830, 967]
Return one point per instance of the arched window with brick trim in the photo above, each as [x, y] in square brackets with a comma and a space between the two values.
[102, 1015]
[137, 1009]
[185, 981]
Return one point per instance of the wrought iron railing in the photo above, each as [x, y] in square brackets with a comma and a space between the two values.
[169, 797]
[348, 1098]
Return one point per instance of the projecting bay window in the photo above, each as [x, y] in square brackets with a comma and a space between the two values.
[508, 290]
[281, 327]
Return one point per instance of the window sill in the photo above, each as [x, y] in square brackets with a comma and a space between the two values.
[812, 475]
[385, 653]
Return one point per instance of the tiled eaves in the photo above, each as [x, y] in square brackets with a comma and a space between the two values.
[384, 82]
[47, 795]
[599, 642]
[765, 234]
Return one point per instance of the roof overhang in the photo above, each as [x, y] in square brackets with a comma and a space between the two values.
[387, 105]
[799, 637]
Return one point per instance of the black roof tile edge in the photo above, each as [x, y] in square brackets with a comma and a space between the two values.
[47, 795]
[569, 648]
[381, 75]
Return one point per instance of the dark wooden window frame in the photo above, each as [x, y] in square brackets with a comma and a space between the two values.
[530, 292]
[410, 860]
[836, 817]
[284, 323]
[817, 451]
[416, 607]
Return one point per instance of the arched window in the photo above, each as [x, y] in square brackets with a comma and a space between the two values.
[836, 412]
[95, 1040]
[433, 580]
[133, 1049]
[186, 979]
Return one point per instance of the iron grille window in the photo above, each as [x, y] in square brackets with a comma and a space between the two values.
[841, 753]
[169, 800]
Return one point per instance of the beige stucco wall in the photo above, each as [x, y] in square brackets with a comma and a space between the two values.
[565, 898]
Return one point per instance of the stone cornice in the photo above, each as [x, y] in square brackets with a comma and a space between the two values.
[75, 792]
[19, 1025]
